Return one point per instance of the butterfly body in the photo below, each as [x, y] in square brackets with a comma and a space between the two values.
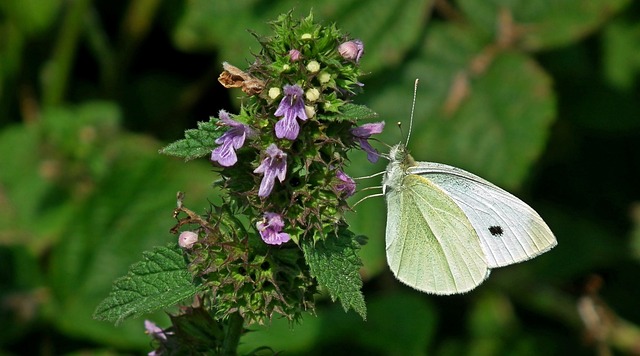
[446, 228]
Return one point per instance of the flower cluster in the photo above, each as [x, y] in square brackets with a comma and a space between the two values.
[314, 94]
[282, 163]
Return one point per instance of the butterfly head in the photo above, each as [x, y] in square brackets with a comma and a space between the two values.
[399, 161]
[399, 155]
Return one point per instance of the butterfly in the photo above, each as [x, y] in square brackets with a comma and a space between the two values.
[447, 228]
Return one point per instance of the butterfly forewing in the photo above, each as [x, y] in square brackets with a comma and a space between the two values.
[510, 231]
[431, 245]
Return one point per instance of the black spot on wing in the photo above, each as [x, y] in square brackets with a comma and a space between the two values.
[496, 230]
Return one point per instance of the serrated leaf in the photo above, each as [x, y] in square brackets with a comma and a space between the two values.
[335, 264]
[357, 112]
[350, 112]
[197, 142]
[159, 281]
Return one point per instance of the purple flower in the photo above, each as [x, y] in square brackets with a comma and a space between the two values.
[348, 185]
[274, 165]
[270, 229]
[362, 133]
[291, 107]
[230, 141]
[351, 50]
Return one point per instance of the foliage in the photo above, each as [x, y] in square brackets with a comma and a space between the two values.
[538, 97]
[159, 281]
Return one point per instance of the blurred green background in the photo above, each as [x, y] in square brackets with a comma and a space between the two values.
[539, 97]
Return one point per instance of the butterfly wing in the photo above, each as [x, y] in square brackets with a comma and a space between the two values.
[431, 245]
[510, 231]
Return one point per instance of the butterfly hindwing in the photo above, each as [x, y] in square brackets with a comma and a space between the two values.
[430, 244]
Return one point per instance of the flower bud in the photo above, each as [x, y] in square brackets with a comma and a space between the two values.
[294, 55]
[187, 239]
[324, 78]
[351, 50]
[274, 93]
[310, 111]
[312, 94]
[313, 66]
[306, 36]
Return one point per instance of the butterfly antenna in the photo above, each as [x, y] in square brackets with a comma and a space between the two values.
[413, 106]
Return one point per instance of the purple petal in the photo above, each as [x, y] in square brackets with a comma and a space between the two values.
[266, 185]
[275, 220]
[348, 186]
[224, 154]
[274, 151]
[272, 166]
[287, 128]
[238, 136]
[155, 331]
[270, 229]
[293, 90]
[281, 238]
[291, 108]
[226, 119]
[366, 130]
[281, 171]
[372, 154]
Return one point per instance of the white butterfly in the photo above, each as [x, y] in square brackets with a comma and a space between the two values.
[447, 228]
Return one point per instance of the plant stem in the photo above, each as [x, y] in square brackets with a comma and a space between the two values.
[232, 337]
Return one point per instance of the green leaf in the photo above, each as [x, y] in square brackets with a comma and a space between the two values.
[334, 262]
[544, 24]
[197, 142]
[357, 112]
[350, 112]
[159, 281]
